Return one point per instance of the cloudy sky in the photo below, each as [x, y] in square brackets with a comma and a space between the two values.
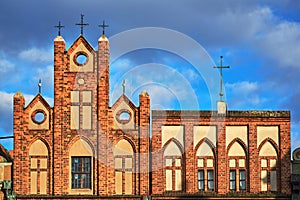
[172, 48]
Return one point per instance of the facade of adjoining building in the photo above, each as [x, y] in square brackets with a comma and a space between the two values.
[84, 148]
[5, 173]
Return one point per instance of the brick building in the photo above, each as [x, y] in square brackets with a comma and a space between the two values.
[84, 148]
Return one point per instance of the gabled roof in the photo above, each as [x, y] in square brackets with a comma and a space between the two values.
[124, 98]
[78, 41]
[39, 98]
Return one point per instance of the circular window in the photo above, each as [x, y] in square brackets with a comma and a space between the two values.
[123, 116]
[81, 58]
[38, 116]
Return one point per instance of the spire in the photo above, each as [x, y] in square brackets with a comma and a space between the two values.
[124, 86]
[40, 86]
[221, 67]
[59, 27]
[222, 107]
[103, 26]
[81, 24]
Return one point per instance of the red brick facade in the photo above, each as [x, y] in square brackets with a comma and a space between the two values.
[250, 119]
[106, 128]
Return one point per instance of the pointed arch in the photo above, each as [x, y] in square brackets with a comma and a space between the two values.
[39, 166]
[41, 141]
[269, 165]
[237, 162]
[128, 139]
[80, 146]
[173, 142]
[208, 145]
[205, 152]
[124, 156]
[81, 155]
[239, 148]
[123, 147]
[38, 147]
[268, 141]
[173, 158]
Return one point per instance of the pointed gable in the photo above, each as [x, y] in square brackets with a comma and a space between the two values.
[124, 113]
[39, 113]
[82, 56]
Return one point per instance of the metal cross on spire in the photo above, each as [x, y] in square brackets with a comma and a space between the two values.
[59, 27]
[221, 67]
[103, 26]
[81, 24]
[124, 85]
[40, 86]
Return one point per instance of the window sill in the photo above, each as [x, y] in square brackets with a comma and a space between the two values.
[82, 191]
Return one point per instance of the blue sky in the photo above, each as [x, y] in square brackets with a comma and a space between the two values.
[260, 40]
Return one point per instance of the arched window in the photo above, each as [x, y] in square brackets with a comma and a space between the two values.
[38, 156]
[269, 167]
[81, 155]
[237, 167]
[206, 167]
[173, 167]
[124, 167]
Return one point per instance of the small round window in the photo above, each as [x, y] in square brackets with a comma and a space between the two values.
[123, 116]
[38, 116]
[81, 58]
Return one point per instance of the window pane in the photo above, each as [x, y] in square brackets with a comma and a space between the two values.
[200, 175]
[81, 172]
[232, 175]
[210, 179]
[201, 179]
[87, 164]
[210, 185]
[201, 185]
[242, 179]
[232, 180]
[210, 175]
[242, 175]
[242, 185]
[232, 185]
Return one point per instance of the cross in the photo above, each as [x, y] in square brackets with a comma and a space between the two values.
[40, 86]
[59, 27]
[103, 26]
[82, 24]
[221, 67]
[123, 85]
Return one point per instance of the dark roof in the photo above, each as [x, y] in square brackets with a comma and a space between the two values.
[204, 113]
[4, 153]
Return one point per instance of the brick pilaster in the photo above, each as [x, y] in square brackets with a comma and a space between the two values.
[103, 114]
[59, 68]
[144, 137]
[19, 103]
[253, 160]
[221, 159]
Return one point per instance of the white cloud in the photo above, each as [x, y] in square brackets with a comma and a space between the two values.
[244, 93]
[37, 55]
[6, 110]
[6, 66]
[46, 75]
[282, 44]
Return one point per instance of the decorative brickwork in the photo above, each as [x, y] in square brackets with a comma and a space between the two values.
[121, 155]
[250, 119]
